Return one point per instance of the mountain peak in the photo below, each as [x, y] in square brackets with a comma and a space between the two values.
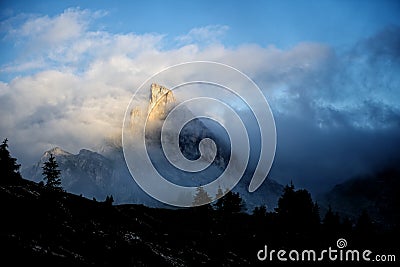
[161, 99]
[86, 151]
[57, 151]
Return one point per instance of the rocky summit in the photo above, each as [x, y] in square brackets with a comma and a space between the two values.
[161, 100]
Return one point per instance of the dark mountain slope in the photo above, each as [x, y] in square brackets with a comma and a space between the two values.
[378, 194]
[40, 225]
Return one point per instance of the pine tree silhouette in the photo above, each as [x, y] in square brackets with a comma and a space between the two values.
[286, 201]
[331, 224]
[296, 212]
[109, 200]
[51, 173]
[316, 213]
[9, 168]
[219, 193]
[364, 224]
[218, 196]
[201, 197]
[364, 230]
[231, 203]
[260, 211]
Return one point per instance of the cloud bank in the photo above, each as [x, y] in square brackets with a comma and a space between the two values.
[337, 110]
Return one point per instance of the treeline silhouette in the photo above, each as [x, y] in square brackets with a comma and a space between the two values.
[296, 222]
[42, 225]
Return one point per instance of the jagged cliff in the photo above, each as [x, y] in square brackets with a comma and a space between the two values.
[161, 101]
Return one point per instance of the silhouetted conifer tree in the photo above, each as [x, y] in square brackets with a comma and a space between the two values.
[331, 224]
[218, 196]
[286, 201]
[109, 200]
[296, 211]
[316, 213]
[51, 173]
[364, 224]
[201, 197]
[219, 193]
[9, 168]
[231, 203]
[364, 230]
[331, 219]
[260, 211]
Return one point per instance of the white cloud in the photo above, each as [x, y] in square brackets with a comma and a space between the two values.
[54, 30]
[24, 66]
[51, 40]
[204, 35]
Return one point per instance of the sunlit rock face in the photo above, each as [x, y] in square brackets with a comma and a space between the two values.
[161, 101]
[153, 112]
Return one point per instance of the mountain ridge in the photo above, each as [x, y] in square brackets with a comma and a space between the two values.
[98, 175]
[95, 175]
[378, 194]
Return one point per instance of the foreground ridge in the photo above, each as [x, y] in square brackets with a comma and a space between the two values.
[44, 226]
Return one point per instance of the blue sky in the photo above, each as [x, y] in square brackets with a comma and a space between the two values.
[280, 23]
[329, 69]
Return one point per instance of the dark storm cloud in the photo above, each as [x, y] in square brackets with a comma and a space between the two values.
[318, 158]
[345, 118]
[383, 45]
